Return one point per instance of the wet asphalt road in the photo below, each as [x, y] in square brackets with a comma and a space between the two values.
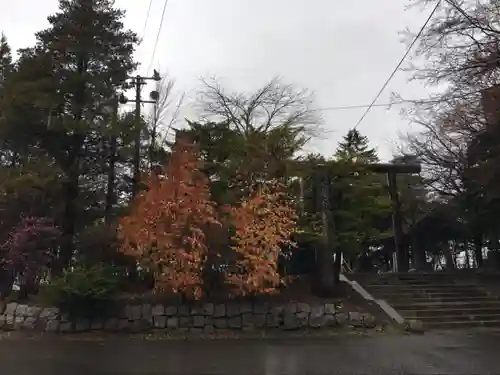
[432, 353]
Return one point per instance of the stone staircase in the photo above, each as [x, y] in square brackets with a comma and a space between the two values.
[438, 300]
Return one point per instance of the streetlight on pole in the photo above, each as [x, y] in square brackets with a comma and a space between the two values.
[138, 82]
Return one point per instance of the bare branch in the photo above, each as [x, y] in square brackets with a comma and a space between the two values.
[272, 106]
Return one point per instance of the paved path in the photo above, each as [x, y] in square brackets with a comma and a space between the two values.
[450, 353]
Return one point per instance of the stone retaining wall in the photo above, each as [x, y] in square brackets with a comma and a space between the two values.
[207, 318]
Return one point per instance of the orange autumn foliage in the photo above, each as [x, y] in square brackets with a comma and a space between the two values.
[166, 228]
[263, 223]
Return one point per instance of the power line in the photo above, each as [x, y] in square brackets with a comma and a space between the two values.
[444, 98]
[399, 64]
[158, 35]
[147, 18]
[346, 107]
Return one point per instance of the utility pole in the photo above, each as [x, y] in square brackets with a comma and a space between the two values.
[138, 82]
[112, 159]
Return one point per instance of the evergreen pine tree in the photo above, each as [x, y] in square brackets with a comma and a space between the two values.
[5, 59]
[355, 148]
[63, 86]
[361, 204]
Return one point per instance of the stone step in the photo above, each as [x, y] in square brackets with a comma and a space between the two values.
[468, 304]
[453, 299]
[454, 311]
[454, 318]
[461, 324]
[430, 287]
[410, 295]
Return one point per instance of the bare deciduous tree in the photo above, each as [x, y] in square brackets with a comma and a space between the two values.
[272, 106]
[165, 113]
[460, 53]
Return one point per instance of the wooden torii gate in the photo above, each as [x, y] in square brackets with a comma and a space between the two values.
[391, 170]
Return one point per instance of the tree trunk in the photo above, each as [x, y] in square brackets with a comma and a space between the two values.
[72, 187]
[324, 259]
[326, 279]
[71, 192]
[337, 266]
[7, 278]
[467, 255]
[478, 250]
[110, 191]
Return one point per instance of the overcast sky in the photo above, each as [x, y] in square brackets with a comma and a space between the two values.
[342, 50]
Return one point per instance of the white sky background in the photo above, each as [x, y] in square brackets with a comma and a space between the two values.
[344, 51]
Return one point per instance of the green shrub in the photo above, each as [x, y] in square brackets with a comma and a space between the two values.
[85, 291]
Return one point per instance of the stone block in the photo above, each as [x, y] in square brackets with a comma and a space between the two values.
[247, 320]
[195, 331]
[302, 319]
[272, 321]
[3, 321]
[18, 322]
[124, 324]
[232, 310]
[317, 310]
[290, 321]
[111, 324]
[209, 329]
[146, 323]
[183, 310]
[49, 313]
[234, 322]
[21, 310]
[64, 317]
[10, 309]
[356, 319]
[66, 327]
[318, 321]
[185, 322]
[290, 308]
[173, 323]
[138, 326]
[29, 323]
[341, 318]
[196, 310]
[330, 309]
[147, 312]
[219, 311]
[158, 310]
[220, 323]
[52, 326]
[97, 324]
[171, 310]
[246, 308]
[369, 321]
[159, 321]
[259, 320]
[133, 312]
[82, 325]
[33, 311]
[330, 320]
[303, 307]
[277, 310]
[9, 321]
[198, 321]
[208, 309]
[260, 308]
